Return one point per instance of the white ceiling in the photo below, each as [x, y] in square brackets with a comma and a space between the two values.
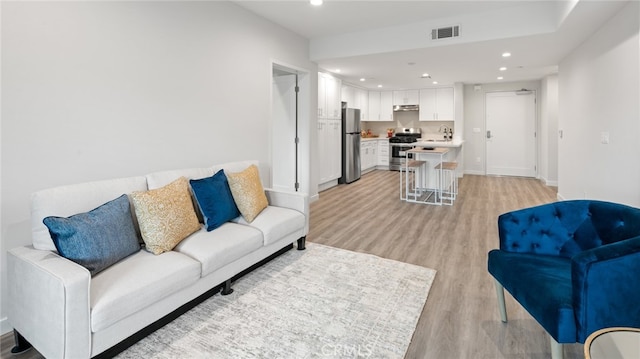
[388, 43]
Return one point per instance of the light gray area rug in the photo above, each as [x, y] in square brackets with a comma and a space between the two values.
[322, 302]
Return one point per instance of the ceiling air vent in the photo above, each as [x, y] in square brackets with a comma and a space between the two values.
[445, 32]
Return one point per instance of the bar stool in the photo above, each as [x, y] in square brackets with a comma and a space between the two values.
[448, 180]
[411, 182]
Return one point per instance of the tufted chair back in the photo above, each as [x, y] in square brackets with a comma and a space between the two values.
[567, 228]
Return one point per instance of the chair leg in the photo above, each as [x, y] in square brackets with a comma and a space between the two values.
[501, 306]
[556, 349]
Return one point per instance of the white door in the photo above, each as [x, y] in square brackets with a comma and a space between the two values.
[284, 133]
[511, 133]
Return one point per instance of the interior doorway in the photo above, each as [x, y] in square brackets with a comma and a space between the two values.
[511, 133]
[290, 149]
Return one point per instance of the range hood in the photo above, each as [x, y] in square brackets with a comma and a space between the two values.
[406, 108]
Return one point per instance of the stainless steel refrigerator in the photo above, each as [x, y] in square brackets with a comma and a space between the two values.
[350, 144]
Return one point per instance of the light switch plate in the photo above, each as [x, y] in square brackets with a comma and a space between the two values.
[604, 138]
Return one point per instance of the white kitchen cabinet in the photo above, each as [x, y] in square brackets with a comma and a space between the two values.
[380, 106]
[362, 99]
[368, 154]
[406, 97]
[336, 149]
[356, 98]
[383, 153]
[329, 96]
[349, 95]
[436, 104]
[374, 106]
[386, 106]
[330, 149]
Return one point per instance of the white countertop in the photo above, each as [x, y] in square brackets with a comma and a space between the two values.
[373, 138]
[423, 143]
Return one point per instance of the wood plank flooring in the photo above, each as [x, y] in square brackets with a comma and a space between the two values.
[460, 318]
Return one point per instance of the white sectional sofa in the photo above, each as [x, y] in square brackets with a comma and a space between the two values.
[59, 308]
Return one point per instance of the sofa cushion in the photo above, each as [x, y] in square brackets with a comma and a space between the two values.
[276, 222]
[218, 248]
[215, 200]
[248, 192]
[165, 215]
[542, 285]
[98, 238]
[68, 200]
[137, 282]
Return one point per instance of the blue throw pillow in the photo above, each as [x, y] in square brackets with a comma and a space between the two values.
[215, 200]
[96, 239]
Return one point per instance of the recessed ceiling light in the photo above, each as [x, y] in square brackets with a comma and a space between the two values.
[435, 82]
[315, 2]
[503, 69]
[500, 77]
[379, 85]
[506, 54]
[363, 79]
[425, 75]
[338, 71]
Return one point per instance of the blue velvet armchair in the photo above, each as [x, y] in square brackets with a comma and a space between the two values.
[573, 265]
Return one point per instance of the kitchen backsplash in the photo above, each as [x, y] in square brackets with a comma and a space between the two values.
[430, 129]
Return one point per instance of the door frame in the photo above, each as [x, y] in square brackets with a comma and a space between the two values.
[304, 122]
[536, 126]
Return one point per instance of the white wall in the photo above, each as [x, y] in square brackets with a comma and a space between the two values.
[548, 152]
[97, 90]
[474, 118]
[599, 92]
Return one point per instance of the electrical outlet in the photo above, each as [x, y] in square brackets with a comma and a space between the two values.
[604, 138]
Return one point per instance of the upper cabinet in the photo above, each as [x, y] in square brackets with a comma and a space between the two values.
[380, 106]
[362, 102]
[329, 96]
[374, 106]
[356, 98]
[386, 106]
[349, 95]
[437, 104]
[407, 97]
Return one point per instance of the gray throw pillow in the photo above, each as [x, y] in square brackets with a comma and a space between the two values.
[96, 239]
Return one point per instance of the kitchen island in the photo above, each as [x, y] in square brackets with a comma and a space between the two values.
[422, 181]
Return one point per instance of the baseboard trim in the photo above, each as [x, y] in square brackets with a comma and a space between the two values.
[550, 183]
[559, 197]
[472, 172]
[5, 327]
[314, 198]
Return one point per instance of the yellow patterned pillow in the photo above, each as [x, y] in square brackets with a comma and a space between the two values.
[247, 192]
[165, 215]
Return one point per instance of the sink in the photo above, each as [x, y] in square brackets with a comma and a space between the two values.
[437, 140]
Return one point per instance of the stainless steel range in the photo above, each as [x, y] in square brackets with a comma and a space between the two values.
[401, 142]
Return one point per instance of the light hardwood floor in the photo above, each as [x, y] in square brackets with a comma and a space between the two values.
[460, 318]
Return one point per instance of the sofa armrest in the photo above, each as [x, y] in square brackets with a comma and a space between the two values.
[293, 200]
[606, 287]
[49, 302]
